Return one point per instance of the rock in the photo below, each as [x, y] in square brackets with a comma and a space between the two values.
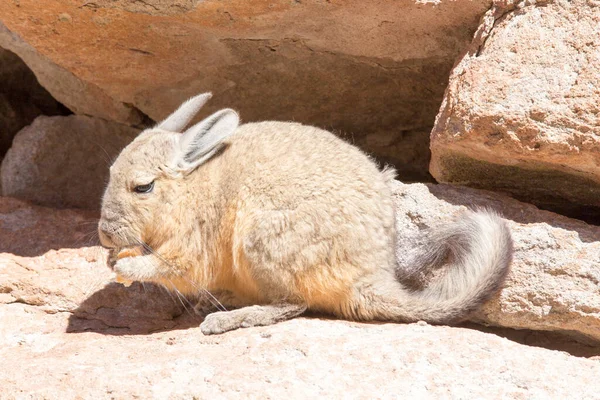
[380, 86]
[520, 114]
[290, 358]
[77, 281]
[65, 86]
[124, 342]
[555, 279]
[21, 98]
[63, 161]
[152, 7]
[28, 230]
[83, 336]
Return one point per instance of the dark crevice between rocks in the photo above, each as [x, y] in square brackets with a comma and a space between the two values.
[548, 189]
[22, 99]
[145, 121]
[573, 343]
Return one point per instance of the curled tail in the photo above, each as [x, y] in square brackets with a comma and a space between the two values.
[477, 251]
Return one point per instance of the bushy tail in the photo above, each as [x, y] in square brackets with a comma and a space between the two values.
[477, 250]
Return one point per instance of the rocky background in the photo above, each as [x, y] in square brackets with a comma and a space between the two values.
[485, 103]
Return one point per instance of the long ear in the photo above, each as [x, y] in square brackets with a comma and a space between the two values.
[204, 139]
[177, 121]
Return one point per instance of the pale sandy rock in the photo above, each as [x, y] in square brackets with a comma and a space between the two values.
[555, 279]
[63, 161]
[125, 342]
[77, 281]
[521, 113]
[81, 335]
[373, 71]
[302, 358]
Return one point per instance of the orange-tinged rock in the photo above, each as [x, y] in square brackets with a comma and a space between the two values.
[373, 71]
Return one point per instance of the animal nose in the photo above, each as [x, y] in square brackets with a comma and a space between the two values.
[104, 232]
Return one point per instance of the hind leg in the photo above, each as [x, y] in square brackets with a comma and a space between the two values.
[246, 317]
[222, 300]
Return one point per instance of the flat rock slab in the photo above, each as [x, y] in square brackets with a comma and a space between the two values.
[81, 335]
[521, 114]
[303, 358]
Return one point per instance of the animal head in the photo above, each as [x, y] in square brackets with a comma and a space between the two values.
[146, 179]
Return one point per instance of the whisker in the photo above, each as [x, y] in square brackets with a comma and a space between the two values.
[181, 297]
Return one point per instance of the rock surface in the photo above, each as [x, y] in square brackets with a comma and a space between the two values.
[555, 279]
[123, 342]
[305, 358]
[27, 230]
[21, 98]
[63, 161]
[152, 7]
[521, 111]
[80, 335]
[374, 72]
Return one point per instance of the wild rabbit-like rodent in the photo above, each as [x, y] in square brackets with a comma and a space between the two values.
[275, 218]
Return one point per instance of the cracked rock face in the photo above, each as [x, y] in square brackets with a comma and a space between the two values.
[63, 161]
[521, 111]
[374, 72]
[65, 323]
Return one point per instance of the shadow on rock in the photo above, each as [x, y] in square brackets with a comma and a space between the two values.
[512, 209]
[28, 230]
[137, 310]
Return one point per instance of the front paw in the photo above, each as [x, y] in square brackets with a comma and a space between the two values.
[126, 268]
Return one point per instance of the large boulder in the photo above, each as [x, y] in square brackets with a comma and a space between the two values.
[521, 112]
[373, 71]
[63, 161]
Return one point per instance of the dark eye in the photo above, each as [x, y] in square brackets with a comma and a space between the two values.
[144, 188]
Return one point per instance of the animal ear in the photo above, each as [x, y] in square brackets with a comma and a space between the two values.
[177, 121]
[204, 139]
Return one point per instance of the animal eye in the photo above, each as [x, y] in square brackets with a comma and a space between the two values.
[144, 188]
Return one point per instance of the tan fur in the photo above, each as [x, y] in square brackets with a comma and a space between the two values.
[284, 214]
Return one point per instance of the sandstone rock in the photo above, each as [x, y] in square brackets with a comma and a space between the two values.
[302, 358]
[21, 98]
[372, 71]
[153, 7]
[555, 279]
[28, 230]
[81, 336]
[124, 342]
[65, 86]
[63, 161]
[78, 282]
[521, 111]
